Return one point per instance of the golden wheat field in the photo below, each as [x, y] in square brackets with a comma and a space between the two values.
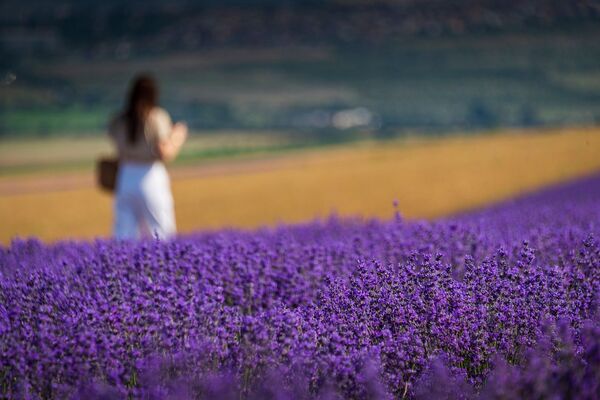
[428, 177]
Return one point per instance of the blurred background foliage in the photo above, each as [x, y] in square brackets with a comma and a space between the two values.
[316, 71]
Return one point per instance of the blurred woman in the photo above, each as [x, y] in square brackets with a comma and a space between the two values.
[145, 139]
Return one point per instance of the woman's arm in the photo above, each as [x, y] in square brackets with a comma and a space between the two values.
[169, 148]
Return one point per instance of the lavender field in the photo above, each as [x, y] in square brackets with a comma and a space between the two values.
[501, 303]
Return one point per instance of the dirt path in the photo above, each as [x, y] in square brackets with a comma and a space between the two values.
[45, 182]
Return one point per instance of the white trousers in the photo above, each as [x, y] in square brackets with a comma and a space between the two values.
[143, 202]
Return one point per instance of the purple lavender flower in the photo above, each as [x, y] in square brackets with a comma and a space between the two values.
[494, 304]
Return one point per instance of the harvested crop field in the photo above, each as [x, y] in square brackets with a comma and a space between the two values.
[428, 177]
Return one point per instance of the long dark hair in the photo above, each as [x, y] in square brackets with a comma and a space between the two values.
[143, 96]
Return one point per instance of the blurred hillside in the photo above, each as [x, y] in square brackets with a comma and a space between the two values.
[331, 69]
[158, 26]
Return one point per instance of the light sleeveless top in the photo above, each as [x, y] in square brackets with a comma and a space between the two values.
[157, 127]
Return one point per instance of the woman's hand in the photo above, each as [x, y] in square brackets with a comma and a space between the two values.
[169, 148]
[179, 134]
